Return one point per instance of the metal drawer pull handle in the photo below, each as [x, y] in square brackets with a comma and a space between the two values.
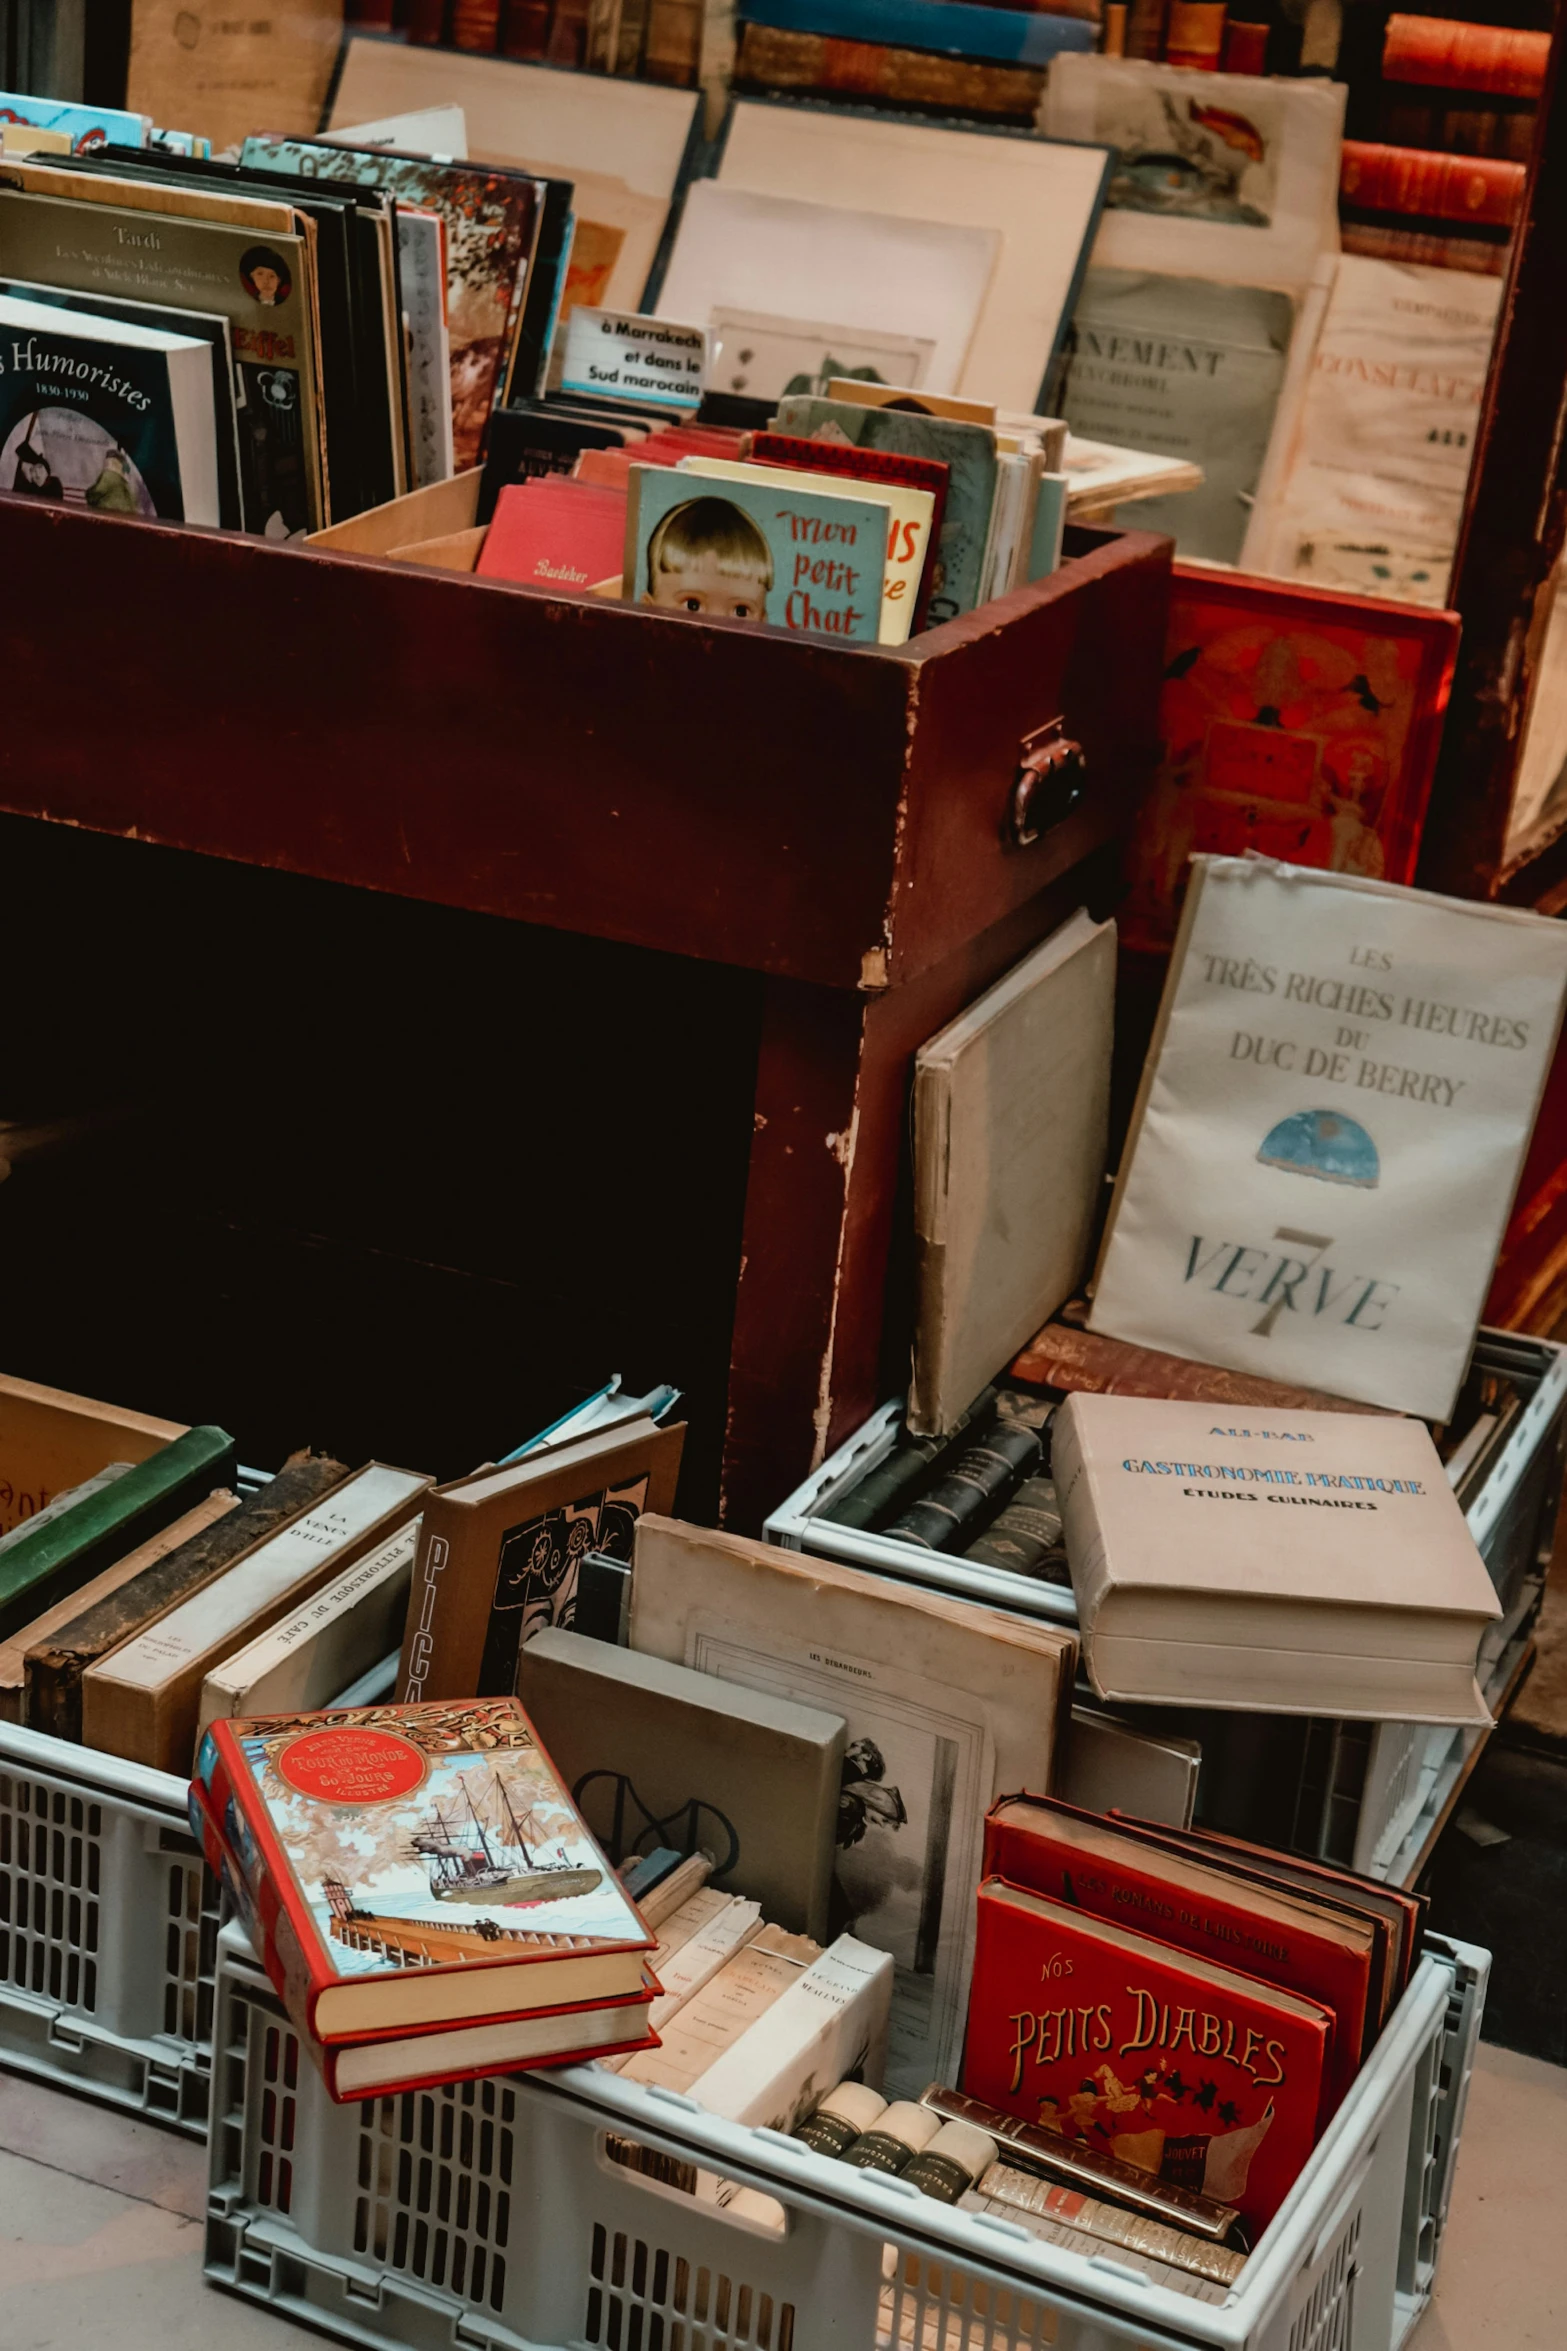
[1051, 780]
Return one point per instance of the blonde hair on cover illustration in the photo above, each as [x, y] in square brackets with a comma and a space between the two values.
[713, 527]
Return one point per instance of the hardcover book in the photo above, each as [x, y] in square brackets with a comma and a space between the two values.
[868, 465]
[947, 1705]
[655, 1754]
[554, 533]
[757, 550]
[1179, 2066]
[311, 1656]
[1292, 721]
[500, 1552]
[1308, 1563]
[1333, 1114]
[1115, 1873]
[910, 513]
[106, 414]
[1011, 1113]
[418, 1865]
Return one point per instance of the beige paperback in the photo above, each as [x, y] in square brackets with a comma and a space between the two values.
[1333, 1115]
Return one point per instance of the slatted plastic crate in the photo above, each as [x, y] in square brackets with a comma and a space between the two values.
[108, 1926]
[490, 2216]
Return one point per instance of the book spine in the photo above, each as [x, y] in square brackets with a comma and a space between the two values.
[982, 1479]
[1445, 187]
[526, 32]
[1026, 1536]
[1436, 51]
[1145, 28]
[1380, 243]
[1194, 37]
[674, 42]
[476, 25]
[1245, 46]
[568, 33]
[1415, 119]
[427, 21]
[829, 2024]
[774, 58]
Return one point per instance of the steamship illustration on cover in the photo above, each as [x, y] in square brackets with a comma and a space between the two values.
[479, 1845]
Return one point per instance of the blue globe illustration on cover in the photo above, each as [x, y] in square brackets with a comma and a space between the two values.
[1323, 1143]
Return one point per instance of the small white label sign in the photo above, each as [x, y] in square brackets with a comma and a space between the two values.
[621, 356]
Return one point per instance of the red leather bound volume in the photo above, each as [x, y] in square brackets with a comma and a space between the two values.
[1113, 1872]
[1448, 56]
[1437, 187]
[1188, 2070]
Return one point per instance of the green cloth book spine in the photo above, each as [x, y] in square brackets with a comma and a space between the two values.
[41, 1567]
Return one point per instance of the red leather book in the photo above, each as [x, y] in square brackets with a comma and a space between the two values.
[427, 1862]
[1479, 256]
[385, 2063]
[867, 465]
[555, 533]
[1115, 1872]
[1437, 187]
[476, 24]
[1189, 2070]
[1436, 51]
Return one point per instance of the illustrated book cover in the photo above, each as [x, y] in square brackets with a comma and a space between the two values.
[1011, 1116]
[757, 550]
[947, 1704]
[500, 1552]
[1193, 2071]
[1115, 1873]
[1292, 721]
[1306, 1563]
[911, 512]
[1332, 1117]
[419, 1865]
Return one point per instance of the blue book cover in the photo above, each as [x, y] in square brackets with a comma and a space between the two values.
[86, 127]
[950, 28]
[732, 550]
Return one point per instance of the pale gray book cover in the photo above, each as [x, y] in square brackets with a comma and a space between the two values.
[1011, 1120]
[1191, 369]
[656, 1754]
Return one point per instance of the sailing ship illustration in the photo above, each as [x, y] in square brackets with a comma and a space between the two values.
[475, 1849]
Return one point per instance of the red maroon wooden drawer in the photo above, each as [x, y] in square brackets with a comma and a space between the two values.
[718, 789]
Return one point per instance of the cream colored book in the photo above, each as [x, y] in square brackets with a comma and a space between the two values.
[1011, 1119]
[907, 540]
[1303, 1563]
[714, 2018]
[1334, 1111]
[948, 1706]
[142, 1702]
[831, 2022]
[701, 1938]
[308, 1658]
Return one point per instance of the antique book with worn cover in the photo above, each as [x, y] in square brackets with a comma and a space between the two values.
[418, 1865]
[948, 1706]
[1308, 1563]
[500, 1552]
[1011, 1113]
[1062, 1356]
[57, 1661]
[1185, 2068]
[143, 1701]
[1204, 1908]
[1333, 1114]
[654, 1753]
[312, 1655]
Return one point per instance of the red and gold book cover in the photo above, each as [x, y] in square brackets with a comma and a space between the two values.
[1190, 2071]
[1293, 721]
[1115, 1872]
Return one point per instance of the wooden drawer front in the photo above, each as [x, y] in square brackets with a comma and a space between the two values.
[729, 793]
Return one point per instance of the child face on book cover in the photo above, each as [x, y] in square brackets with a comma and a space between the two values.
[708, 556]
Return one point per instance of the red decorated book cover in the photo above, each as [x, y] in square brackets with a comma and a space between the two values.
[386, 2062]
[1424, 183]
[1438, 52]
[426, 1860]
[1113, 1872]
[1293, 721]
[1191, 2071]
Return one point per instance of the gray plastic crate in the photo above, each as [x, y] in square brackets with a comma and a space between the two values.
[108, 1926]
[489, 2216]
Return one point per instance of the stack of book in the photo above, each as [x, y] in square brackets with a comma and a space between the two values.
[1441, 180]
[940, 57]
[1193, 2008]
[655, 40]
[422, 1891]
